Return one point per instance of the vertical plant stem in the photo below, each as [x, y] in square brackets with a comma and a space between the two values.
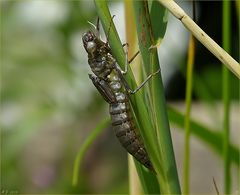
[165, 165]
[190, 65]
[131, 38]
[130, 27]
[226, 96]
[134, 183]
[188, 96]
[237, 6]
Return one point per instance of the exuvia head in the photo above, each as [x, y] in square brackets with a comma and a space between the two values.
[89, 43]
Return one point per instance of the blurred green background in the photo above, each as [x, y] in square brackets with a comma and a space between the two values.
[49, 106]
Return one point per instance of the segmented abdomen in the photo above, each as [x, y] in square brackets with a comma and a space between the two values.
[125, 130]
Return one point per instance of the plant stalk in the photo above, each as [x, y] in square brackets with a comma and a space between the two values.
[165, 166]
[226, 29]
[190, 65]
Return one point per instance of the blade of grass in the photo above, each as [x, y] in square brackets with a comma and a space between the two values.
[134, 182]
[187, 127]
[113, 38]
[226, 29]
[158, 26]
[130, 28]
[165, 166]
[150, 182]
[202, 91]
[211, 137]
[130, 33]
[237, 6]
[148, 177]
[85, 146]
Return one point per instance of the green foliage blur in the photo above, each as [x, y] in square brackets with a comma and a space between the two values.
[48, 105]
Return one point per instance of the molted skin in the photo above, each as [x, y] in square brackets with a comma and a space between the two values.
[108, 81]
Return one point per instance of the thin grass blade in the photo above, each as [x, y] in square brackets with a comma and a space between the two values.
[212, 137]
[82, 151]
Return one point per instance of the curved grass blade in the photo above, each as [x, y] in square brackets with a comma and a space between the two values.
[88, 142]
[210, 136]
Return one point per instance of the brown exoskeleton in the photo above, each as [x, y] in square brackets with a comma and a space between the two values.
[109, 81]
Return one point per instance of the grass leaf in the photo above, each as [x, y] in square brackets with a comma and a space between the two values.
[212, 138]
[159, 19]
[85, 146]
[158, 140]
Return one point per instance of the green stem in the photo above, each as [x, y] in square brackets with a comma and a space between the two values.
[165, 166]
[190, 65]
[226, 96]
[88, 142]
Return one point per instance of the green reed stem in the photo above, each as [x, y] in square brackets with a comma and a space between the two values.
[164, 165]
[226, 29]
[187, 127]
